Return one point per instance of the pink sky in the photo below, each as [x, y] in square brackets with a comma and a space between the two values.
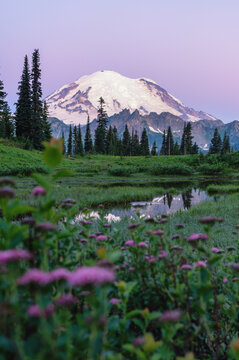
[189, 47]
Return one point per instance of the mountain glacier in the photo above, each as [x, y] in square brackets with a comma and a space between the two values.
[73, 103]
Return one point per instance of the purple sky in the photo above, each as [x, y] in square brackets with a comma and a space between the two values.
[190, 47]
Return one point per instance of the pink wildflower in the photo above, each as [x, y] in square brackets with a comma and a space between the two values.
[35, 276]
[38, 191]
[45, 226]
[186, 267]
[7, 181]
[132, 268]
[102, 238]
[129, 243]
[196, 237]
[36, 311]
[114, 301]
[14, 255]
[87, 222]
[235, 267]
[216, 250]
[176, 236]
[83, 240]
[6, 192]
[138, 341]
[142, 244]
[225, 280]
[93, 275]
[200, 264]
[133, 226]
[162, 254]
[170, 316]
[66, 300]
[208, 220]
[59, 274]
[92, 236]
[158, 232]
[176, 247]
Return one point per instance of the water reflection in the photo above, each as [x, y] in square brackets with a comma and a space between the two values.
[166, 204]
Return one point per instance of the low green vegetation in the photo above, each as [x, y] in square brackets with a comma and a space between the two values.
[158, 288]
[222, 189]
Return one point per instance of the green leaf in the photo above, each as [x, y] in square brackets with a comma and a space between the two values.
[42, 180]
[52, 154]
[63, 173]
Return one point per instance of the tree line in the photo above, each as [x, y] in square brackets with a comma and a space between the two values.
[106, 139]
[30, 125]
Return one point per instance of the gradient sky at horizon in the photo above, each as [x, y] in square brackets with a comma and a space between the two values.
[189, 47]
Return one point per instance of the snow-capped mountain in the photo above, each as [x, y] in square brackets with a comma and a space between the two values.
[73, 103]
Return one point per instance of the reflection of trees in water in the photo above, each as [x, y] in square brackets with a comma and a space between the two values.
[169, 199]
[187, 199]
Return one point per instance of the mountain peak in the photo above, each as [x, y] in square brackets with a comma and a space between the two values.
[73, 103]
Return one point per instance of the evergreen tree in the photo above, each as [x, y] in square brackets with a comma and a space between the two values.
[7, 122]
[154, 149]
[226, 147]
[23, 116]
[176, 149]
[115, 140]
[216, 143]
[136, 151]
[63, 141]
[195, 149]
[69, 143]
[144, 143]
[163, 150]
[169, 142]
[126, 142]
[2, 127]
[109, 142]
[183, 147]
[88, 140]
[189, 138]
[79, 144]
[45, 123]
[101, 130]
[37, 134]
[2, 96]
[74, 140]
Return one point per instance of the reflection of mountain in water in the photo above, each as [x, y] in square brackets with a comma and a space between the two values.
[166, 204]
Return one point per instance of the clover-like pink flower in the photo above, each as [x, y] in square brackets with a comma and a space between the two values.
[91, 275]
[38, 191]
[114, 301]
[36, 311]
[14, 255]
[129, 243]
[197, 237]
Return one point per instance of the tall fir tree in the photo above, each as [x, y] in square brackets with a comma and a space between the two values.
[226, 147]
[176, 149]
[63, 142]
[47, 133]
[126, 142]
[88, 144]
[23, 115]
[74, 140]
[169, 142]
[69, 142]
[5, 118]
[115, 140]
[37, 134]
[101, 130]
[3, 94]
[183, 147]
[154, 149]
[195, 149]
[79, 144]
[135, 144]
[216, 143]
[109, 142]
[144, 143]
[189, 138]
[163, 150]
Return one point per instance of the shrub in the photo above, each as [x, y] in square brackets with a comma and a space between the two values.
[171, 170]
[208, 169]
[122, 171]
